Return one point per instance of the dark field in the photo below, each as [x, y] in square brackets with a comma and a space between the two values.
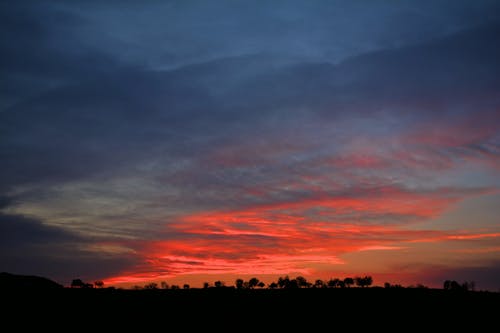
[239, 310]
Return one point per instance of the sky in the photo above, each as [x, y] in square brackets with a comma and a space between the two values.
[193, 141]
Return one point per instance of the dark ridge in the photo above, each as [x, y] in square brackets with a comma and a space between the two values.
[13, 281]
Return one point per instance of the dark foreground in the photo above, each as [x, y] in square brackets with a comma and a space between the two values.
[246, 310]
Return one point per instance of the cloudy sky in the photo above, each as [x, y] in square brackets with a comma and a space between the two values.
[192, 141]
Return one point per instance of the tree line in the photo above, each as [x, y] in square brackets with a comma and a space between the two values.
[283, 283]
[301, 282]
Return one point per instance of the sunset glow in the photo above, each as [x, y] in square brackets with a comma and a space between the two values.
[221, 140]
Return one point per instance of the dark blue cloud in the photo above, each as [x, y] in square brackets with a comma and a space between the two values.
[46, 45]
[130, 115]
[41, 49]
[27, 246]
[24, 231]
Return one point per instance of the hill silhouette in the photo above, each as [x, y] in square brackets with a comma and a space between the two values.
[26, 282]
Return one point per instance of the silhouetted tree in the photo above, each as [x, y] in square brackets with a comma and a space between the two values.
[175, 287]
[151, 286]
[287, 283]
[206, 285]
[261, 284]
[302, 282]
[364, 281]
[453, 285]
[136, 287]
[77, 283]
[319, 284]
[447, 285]
[348, 282]
[368, 281]
[239, 283]
[99, 284]
[164, 285]
[333, 283]
[273, 285]
[253, 282]
[469, 285]
[283, 282]
[293, 284]
[219, 284]
[186, 286]
[388, 285]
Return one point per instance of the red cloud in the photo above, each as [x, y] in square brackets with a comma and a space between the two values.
[296, 235]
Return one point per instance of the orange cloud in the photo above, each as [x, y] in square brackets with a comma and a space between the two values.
[296, 236]
[474, 236]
